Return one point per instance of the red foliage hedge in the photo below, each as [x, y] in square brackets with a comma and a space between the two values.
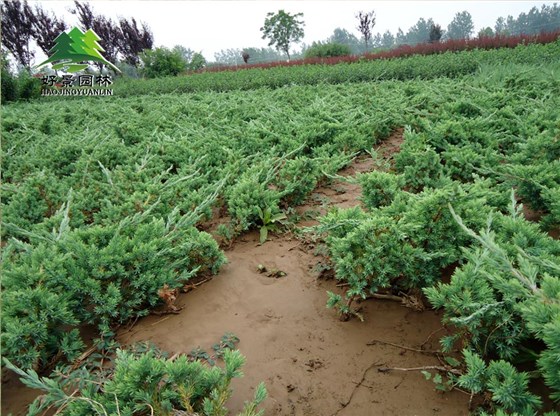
[453, 45]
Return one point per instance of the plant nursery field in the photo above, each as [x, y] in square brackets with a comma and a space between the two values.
[368, 238]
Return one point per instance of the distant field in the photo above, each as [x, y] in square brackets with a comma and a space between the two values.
[448, 64]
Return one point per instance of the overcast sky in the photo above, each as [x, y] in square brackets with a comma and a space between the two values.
[210, 26]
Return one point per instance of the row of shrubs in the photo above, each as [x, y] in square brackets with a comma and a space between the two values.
[447, 64]
[327, 50]
[21, 86]
[417, 67]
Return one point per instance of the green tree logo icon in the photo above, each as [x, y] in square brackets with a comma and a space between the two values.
[75, 47]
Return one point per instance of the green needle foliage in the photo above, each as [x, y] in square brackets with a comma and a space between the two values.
[145, 383]
[457, 167]
[103, 202]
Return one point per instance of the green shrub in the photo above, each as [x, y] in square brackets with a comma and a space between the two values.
[145, 383]
[419, 162]
[403, 245]
[297, 178]
[506, 292]
[534, 181]
[196, 63]
[162, 62]
[246, 196]
[507, 386]
[380, 188]
[28, 87]
[9, 86]
[15, 87]
[327, 50]
[98, 275]
[552, 198]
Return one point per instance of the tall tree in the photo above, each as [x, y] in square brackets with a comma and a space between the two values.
[435, 33]
[85, 14]
[400, 38]
[420, 32]
[377, 40]
[388, 40]
[366, 23]
[344, 37]
[110, 35]
[46, 27]
[486, 32]
[547, 19]
[197, 62]
[461, 27]
[134, 40]
[501, 26]
[186, 53]
[283, 29]
[17, 30]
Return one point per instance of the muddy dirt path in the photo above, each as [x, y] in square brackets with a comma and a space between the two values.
[311, 362]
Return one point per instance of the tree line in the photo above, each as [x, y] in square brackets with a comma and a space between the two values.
[130, 42]
[545, 19]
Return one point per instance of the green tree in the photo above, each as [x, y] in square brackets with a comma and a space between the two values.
[536, 21]
[387, 40]
[344, 37]
[197, 62]
[420, 32]
[162, 62]
[8, 81]
[263, 54]
[17, 30]
[283, 29]
[46, 27]
[485, 32]
[231, 57]
[234, 56]
[461, 27]
[400, 38]
[377, 40]
[326, 50]
[501, 26]
[186, 53]
[435, 33]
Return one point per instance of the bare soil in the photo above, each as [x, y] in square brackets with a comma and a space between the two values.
[312, 363]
